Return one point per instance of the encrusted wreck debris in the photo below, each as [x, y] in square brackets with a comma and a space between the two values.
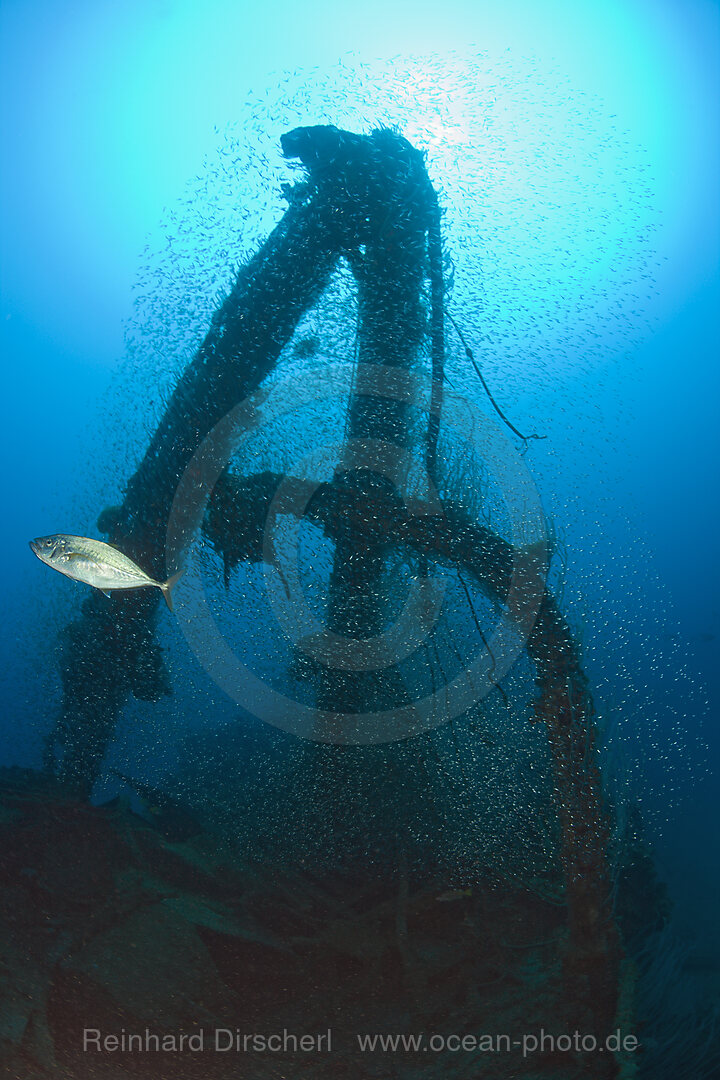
[115, 928]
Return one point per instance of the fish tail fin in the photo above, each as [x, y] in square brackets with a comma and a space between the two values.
[168, 586]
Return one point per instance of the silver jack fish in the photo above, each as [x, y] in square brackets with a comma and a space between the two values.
[96, 563]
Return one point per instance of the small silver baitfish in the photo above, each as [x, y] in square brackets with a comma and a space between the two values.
[97, 563]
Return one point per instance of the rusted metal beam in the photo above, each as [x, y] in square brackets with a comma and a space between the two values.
[390, 271]
[109, 652]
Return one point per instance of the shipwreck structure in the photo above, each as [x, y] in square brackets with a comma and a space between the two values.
[367, 200]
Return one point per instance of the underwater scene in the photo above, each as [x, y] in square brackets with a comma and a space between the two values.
[360, 636]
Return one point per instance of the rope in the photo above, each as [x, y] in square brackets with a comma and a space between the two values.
[471, 357]
[437, 331]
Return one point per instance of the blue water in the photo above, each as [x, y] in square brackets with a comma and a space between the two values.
[575, 153]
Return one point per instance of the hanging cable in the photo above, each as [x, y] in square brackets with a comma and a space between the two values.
[471, 357]
[437, 335]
